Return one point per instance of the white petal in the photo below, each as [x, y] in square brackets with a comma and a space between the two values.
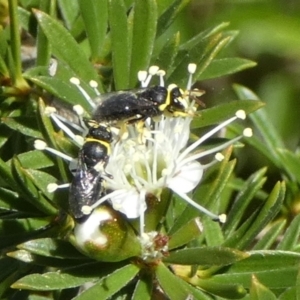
[128, 204]
[187, 178]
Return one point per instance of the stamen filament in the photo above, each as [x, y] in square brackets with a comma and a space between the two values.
[191, 70]
[106, 197]
[94, 85]
[205, 137]
[63, 127]
[76, 82]
[141, 211]
[196, 205]
[71, 124]
[207, 152]
[41, 145]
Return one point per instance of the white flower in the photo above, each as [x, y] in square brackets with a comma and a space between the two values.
[163, 161]
[159, 157]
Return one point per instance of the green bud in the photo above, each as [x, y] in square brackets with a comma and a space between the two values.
[106, 236]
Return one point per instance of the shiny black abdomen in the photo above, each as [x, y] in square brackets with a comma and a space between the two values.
[85, 189]
[131, 105]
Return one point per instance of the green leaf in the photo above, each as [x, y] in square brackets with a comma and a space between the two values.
[10, 201]
[223, 112]
[69, 11]
[50, 281]
[203, 35]
[143, 289]
[174, 287]
[167, 54]
[169, 15]
[288, 294]
[270, 237]
[242, 200]
[120, 42]
[95, 17]
[19, 227]
[259, 291]
[7, 176]
[8, 266]
[208, 192]
[33, 296]
[185, 234]
[3, 69]
[290, 162]
[65, 48]
[213, 232]
[35, 159]
[257, 143]
[24, 125]
[274, 269]
[291, 236]
[65, 91]
[110, 284]
[41, 181]
[43, 261]
[264, 215]
[298, 285]
[51, 137]
[29, 190]
[225, 66]
[261, 121]
[202, 55]
[226, 291]
[25, 18]
[51, 248]
[143, 36]
[205, 256]
[10, 271]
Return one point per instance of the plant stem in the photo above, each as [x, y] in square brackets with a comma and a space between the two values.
[18, 80]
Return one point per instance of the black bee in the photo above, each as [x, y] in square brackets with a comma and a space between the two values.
[87, 185]
[135, 105]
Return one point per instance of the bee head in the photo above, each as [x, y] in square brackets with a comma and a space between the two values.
[177, 101]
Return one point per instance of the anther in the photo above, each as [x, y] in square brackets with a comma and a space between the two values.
[222, 218]
[219, 156]
[241, 114]
[40, 145]
[75, 80]
[153, 70]
[50, 110]
[192, 68]
[78, 109]
[247, 132]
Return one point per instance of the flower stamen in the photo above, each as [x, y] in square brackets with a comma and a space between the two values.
[89, 100]
[41, 145]
[199, 207]
[191, 69]
[208, 135]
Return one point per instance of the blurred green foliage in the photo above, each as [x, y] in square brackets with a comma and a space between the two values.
[269, 35]
[255, 255]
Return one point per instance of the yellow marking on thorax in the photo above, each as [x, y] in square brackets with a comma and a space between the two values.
[105, 144]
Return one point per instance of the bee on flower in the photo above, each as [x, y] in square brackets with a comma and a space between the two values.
[150, 153]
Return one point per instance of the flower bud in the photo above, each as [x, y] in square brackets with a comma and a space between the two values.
[106, 236]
